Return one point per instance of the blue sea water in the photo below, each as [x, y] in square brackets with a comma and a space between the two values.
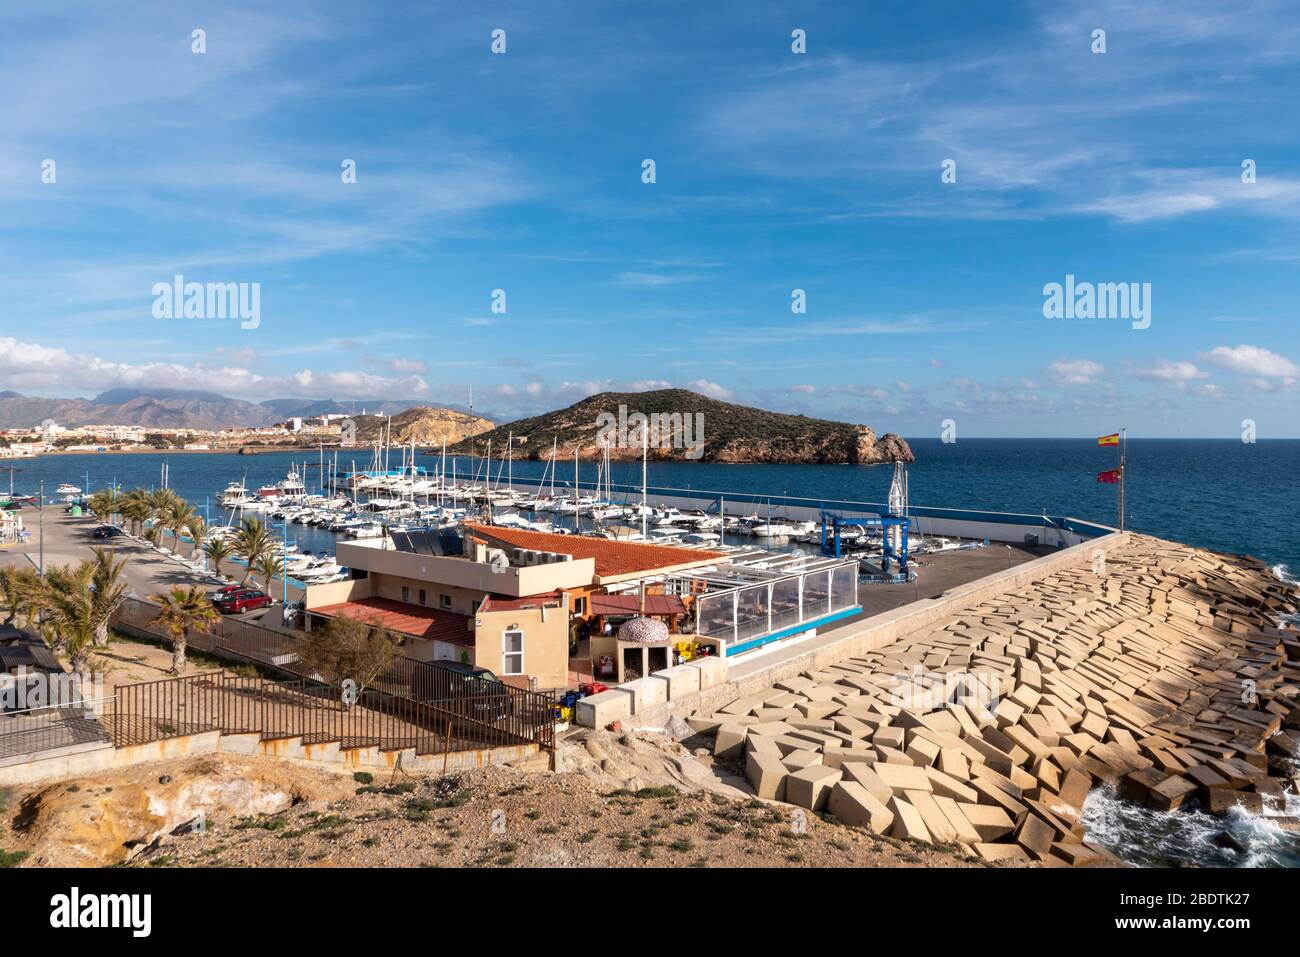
[1219, 494]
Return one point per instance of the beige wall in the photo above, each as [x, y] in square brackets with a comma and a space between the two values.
[334, 593]
[546, 643]
[390, 586]
[463, 573]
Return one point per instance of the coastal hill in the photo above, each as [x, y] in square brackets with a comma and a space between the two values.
[172, 409]
[423, 425]
[710, 431]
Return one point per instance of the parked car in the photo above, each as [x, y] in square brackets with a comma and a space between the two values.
[465, 689]
[221, 593]
[242, 600]
[107, 531]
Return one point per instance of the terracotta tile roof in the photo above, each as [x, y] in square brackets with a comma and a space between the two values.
[417, 620]
[612, 557]
[506, 603]
[630, 604]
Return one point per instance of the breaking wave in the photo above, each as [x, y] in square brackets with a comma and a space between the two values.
[1189, 837]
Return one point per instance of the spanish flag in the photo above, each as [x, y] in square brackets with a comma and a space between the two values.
[1112, 439]
[1109, 477]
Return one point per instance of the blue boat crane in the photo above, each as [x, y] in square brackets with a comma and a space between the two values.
[833, 522]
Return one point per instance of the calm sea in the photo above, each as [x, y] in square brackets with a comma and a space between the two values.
[1219, 494]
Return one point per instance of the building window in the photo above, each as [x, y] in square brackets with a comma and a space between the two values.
[446, 600]
[513, 659]
[406, 593]
[422, 596]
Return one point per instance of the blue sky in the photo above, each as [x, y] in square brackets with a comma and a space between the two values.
[775, 171]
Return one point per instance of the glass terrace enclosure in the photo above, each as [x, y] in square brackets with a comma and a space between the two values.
[747, 606]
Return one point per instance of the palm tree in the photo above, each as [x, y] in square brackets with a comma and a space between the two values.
[109, 591]
[19, 592]
[72, 617]
[102, 503]
[268, 566]
[217, 550]
[252, 543]
[135, 510]
[184, 610]
[197, 528]
[174, 516]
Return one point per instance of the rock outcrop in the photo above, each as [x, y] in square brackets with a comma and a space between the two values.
[685, 426]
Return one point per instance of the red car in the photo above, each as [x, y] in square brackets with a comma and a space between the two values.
[241, 600]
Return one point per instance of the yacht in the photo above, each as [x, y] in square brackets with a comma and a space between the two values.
[290, 486]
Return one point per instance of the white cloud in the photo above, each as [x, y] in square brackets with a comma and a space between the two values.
[1076, 371]
[1166, 370]
[408, 365]
[1253, 361]
[711, 389]
[29, 365]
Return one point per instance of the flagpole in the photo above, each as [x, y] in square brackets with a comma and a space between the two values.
[1123, 446]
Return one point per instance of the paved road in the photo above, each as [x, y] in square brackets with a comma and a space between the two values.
[69, 540]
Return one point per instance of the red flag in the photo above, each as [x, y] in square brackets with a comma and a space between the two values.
[1110, 476]
[1112, 439]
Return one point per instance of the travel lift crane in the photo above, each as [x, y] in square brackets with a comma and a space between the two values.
[894, 526]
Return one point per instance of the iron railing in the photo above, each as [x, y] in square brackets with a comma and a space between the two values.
[313, 711]
[439, 700]
[50, 729]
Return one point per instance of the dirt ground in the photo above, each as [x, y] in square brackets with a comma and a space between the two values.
[235, 811]
[126, 661]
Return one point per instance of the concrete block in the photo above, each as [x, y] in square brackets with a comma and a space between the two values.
[901, 777]
[907, 821]
[646, 693]
[854, 805]
[1036, 836]
[758, 744]
[798, 760]
[989, 821]
[1001, 852]
[713, 670]
[834, 757]
[704, 724]
[890, 737]
[935, 820]
[682, 680]
[811, 787]
[767, 776]
[866, 776]
[1170, 793]
[952, 787]
[955, 813]
[730, 741]
[598, 710]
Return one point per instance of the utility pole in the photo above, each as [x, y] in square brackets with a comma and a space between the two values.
[41, 523]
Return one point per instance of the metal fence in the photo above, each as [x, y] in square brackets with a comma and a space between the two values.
[317, 713]
[50, 729]
[411, 704]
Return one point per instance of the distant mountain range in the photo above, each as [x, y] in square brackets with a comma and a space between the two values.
[174, 409]
[690, 427]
